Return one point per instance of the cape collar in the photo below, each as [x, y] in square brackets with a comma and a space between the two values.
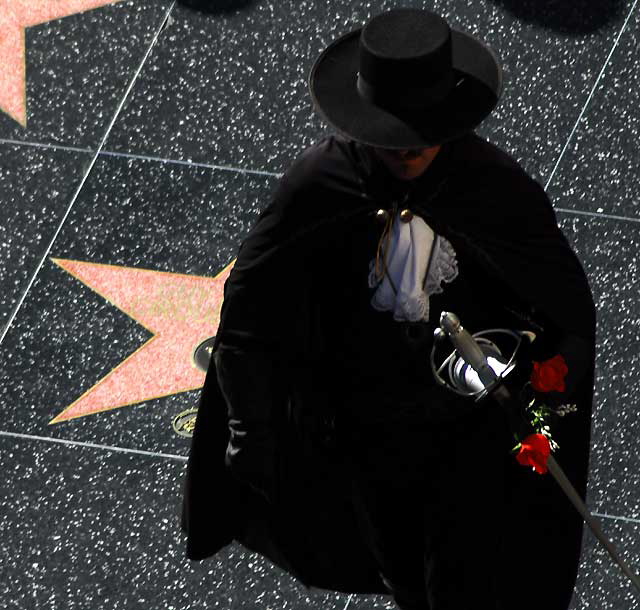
[385, 189]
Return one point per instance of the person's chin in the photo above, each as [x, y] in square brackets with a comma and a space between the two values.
[405, 173]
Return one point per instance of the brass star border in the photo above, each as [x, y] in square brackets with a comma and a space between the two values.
[15, 17]
[180, 311]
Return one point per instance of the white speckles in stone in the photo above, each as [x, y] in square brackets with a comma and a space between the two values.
[105, 541]
[245, 103]
[36, 186]
[600, 582]
[608, 250]
[87, 528]
[602, 159]
[130, 213]
[73, 92]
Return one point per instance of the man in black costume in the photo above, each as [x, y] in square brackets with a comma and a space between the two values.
[322, 440]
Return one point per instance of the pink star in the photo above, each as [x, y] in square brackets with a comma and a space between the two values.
[15, 16]
[180, 310]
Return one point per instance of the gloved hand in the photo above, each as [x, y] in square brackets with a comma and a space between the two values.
[252, 457]
[252, 387]
[575, 352]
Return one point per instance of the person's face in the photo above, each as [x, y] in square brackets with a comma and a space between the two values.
[406, 164]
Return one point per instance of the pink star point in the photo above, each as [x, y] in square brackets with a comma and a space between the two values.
[15, 16]
[180, 310]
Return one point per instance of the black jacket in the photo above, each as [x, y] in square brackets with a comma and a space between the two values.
[306, 343]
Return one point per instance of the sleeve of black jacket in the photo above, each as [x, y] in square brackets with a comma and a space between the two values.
[234, 450]
[512, 226]
[262, 329]
[253, 391]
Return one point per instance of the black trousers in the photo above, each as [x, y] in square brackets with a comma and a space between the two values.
[428, 496]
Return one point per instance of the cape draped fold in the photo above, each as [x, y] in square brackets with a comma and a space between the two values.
[516, 269]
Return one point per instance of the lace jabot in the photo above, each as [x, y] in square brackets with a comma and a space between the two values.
[417, 263]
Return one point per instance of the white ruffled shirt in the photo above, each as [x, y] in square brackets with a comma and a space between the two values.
[419, 261]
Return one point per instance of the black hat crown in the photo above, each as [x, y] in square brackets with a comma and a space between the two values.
[405, 60]
[405, 80]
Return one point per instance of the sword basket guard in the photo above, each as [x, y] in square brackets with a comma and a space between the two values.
[460, 377]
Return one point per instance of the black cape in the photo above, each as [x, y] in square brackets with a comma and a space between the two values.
[299, 292]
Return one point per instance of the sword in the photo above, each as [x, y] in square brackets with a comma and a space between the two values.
[469, 350]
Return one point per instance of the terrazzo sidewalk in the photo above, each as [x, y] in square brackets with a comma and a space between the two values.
[139, 142]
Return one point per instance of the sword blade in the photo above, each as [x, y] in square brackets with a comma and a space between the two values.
[559, 475]
[468, 348]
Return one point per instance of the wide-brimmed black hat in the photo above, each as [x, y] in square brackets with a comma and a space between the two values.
[405, 80]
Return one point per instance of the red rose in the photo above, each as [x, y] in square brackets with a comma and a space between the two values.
[535, 451]
[548, 376]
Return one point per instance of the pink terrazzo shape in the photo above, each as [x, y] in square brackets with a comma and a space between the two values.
[180, 310]
[15, 16]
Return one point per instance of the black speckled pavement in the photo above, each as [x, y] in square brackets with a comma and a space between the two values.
[139, 141]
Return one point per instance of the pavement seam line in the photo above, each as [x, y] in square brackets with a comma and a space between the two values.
[597, 214]
[18, 306]
[591, 93]
[143, 157]
[617, 518]
[251, 171]
[45, 145]
[194, 163]
[63, 441]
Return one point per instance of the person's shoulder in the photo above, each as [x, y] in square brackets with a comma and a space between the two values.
[316, 164]
[477, 154]
[493, 181]
[318, 179]
[487, 166]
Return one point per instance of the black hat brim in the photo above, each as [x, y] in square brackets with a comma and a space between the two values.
[332, 83]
